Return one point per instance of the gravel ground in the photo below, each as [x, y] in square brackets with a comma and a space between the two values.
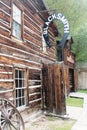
[52, 123]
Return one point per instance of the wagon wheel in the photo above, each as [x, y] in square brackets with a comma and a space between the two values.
[10, 118]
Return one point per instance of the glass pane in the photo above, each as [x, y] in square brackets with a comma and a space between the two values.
[23, 83]
[19, 93]
[23, 102]
[16, 83]
[16, 30]
[16, 73]
[17, 103]
[22, 92]
[20, 83]
[16, 93]
[20, 104]
[20, 74]
[16, 14]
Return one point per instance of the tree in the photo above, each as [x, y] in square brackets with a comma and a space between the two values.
[80, 46]
[76, 13]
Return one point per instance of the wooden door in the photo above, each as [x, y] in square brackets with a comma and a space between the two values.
[53, 88]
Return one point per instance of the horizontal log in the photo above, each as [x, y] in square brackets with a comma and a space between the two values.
[35, 101]
[33, 40]
[34, 82]
[34, 90]
[6, 91]
[32, 94]
[35, 86]
[7, 41]
[33, 34]
[14, 49]
[5, 65]
[20, 59]
[5, 16]
[5, 24]
[6, 85]
[5, 7]
[35, 68]
[4, 31]
[27, 18]
[10, 73]
[6, 76]
[6, 2]
[6, 80]
[28, 13]
[34, 97]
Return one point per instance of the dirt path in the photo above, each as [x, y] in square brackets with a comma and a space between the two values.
[51, 123]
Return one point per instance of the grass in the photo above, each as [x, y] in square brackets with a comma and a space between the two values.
[75, 102]
[64, 125]
[83, 91]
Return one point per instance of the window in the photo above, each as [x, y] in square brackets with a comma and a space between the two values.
[20, 84]
[16, 22]
[43, 44]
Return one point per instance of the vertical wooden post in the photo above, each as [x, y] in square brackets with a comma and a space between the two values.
[57, 88]
[27, 84]
[63, 94]
[50, 86]
[75, 80]
[66, 80]
[45, 92]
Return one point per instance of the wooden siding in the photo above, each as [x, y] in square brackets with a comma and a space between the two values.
[69, 58]
[24, 54]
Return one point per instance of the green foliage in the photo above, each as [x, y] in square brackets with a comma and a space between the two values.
[76, 13]
[80, 47]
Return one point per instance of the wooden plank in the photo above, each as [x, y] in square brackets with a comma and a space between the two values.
[27, 83]
[5, 7]
[57, 88]
[50, 87]
[34, 97]
[75, 80]
[5, 16]
[45, 100]
[6, 2]
[6, 80]
[63, 96]
[66, 79]
[34, 90]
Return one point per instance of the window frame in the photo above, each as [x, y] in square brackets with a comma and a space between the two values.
[20, 7]
[18, 89]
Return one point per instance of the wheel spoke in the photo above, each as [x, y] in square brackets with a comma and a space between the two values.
[3, 125]
[10, 117]
[12, 120]
[13, 126]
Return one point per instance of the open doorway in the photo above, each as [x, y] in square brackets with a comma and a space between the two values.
[71, 79]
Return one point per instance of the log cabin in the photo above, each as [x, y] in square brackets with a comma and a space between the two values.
[23, 52]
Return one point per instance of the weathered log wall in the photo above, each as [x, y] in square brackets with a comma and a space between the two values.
[24, 54]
